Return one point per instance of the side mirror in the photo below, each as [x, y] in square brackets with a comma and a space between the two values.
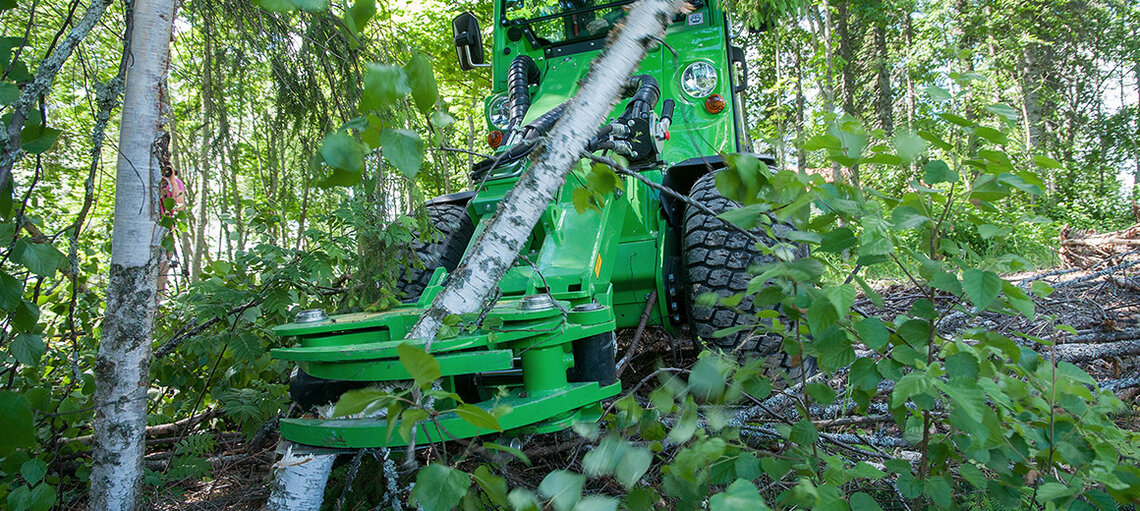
[468, 42]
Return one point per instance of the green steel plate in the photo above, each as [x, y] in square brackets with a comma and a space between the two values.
[368, 433]
[466, 362]
[387, 350]
[347, 322]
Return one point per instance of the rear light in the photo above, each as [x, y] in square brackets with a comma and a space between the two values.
[714, 104]
[494, 139]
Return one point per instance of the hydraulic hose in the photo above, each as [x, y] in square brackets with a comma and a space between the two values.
[643, 92]
[544, 122]
[521, 74]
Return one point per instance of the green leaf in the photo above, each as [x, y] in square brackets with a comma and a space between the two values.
[33, 470]
[9, 93]
[361, 401]
[478, 417]
[746, 216]
[596, 503]
[43, 259]
[37, 138]
[837, 240]
[804, 433]
[909, 145]
[440, 487]
[522, 499]
[908, 386]
[7, 4]
[818, 142]
[1046, 162]
[360, 12]
[741, 495]
[11, 291]
[907, 217]
[937, 93]
[1004, 111]
[423, 367]
[494, 486]
[27, 348]
[341, 151]
[15, 422]
[864, 374]
[404, 149]
[946, 281]
[383, 85]
[441, 119]
[563, 488]
[937, 171]
[312, 5]
[276, 5]
[602, 460]
[633, 465]
[863, 502]
[1051, 491]
[873, 333]
[509, 450]
[865, 470]
[981, 287]
[822, 393]
[708, 377]
[425, 92]
[40, 498]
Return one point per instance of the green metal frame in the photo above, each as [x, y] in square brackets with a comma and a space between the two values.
[614, 257]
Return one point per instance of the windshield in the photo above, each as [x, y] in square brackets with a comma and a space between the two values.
[562, 21]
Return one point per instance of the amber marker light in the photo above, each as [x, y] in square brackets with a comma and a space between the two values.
[714, 104]
[494, 139]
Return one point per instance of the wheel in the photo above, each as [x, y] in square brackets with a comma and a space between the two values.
[716, 260]
[445, 250]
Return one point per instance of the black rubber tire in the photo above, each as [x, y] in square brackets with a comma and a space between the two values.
[716, 260]
[445, 249]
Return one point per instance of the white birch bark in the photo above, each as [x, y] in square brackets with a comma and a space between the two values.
[299, 480]
[123, 360]
[495, 250]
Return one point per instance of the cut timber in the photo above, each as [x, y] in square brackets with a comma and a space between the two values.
[1085, 249]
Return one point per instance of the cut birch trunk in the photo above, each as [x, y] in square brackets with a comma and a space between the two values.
[123, 359]
[495, 251]
[299, 480]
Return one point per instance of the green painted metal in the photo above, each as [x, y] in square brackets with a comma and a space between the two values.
[614, 257]
[525, 410]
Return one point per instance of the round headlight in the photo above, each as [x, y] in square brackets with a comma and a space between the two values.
[699, 79]
[499, 112]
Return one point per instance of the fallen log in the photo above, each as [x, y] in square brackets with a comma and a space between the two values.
[162, 429]
[1088, 351]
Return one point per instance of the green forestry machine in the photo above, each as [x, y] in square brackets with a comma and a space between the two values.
[544, 354]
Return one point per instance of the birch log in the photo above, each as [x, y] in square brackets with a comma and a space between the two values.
[495, 251]
[123, 360]
[299, 480]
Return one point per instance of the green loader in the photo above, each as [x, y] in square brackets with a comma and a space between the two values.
[544, 354]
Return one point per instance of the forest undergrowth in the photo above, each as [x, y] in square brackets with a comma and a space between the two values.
[1100, 302]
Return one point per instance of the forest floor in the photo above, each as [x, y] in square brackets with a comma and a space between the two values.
[1099, 299]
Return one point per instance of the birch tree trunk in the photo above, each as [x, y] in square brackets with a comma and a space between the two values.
[494, 251]
[123, 360]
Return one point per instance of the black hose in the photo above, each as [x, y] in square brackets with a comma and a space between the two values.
[544, 122]
[644, 93]
[520, 76]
